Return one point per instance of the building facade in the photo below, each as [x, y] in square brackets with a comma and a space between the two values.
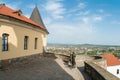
[113, 64]
[19, 35]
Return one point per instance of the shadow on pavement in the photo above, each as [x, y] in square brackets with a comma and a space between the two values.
[85, 75]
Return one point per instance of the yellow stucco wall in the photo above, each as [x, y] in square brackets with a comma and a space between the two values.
[16, 32]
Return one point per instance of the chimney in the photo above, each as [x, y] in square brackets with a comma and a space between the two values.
[2, 4]
[18, 12]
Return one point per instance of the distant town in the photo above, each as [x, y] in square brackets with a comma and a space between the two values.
[88, 49]
[104, 58]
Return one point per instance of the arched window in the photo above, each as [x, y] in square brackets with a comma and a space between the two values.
[5, 42]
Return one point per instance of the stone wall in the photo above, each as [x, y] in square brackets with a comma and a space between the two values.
[98, 73]
[5, 63]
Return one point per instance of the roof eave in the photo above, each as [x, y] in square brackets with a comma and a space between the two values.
[26, 22]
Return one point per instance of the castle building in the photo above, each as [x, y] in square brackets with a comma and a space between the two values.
[19, 35]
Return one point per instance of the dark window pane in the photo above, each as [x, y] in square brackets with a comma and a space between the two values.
[36, 43]
[25, 42]
[5, 42]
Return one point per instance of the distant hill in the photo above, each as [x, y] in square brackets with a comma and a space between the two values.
[82, 45]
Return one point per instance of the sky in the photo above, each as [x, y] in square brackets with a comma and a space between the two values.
[76, 21]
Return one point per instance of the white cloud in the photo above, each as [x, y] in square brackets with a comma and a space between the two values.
[55, 8]
[82, 5]
[86, 19]
[77, 8]
[97, 18]
[101, 10]
[83, 13]
[79, 31]
[65, 33]
[91, 19]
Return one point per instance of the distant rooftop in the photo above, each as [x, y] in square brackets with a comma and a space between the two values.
[111, 59]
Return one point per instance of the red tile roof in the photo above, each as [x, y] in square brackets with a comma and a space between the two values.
[111, 59]
[6, 11]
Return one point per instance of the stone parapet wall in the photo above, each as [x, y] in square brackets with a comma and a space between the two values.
[5, 63]
[98, 73]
